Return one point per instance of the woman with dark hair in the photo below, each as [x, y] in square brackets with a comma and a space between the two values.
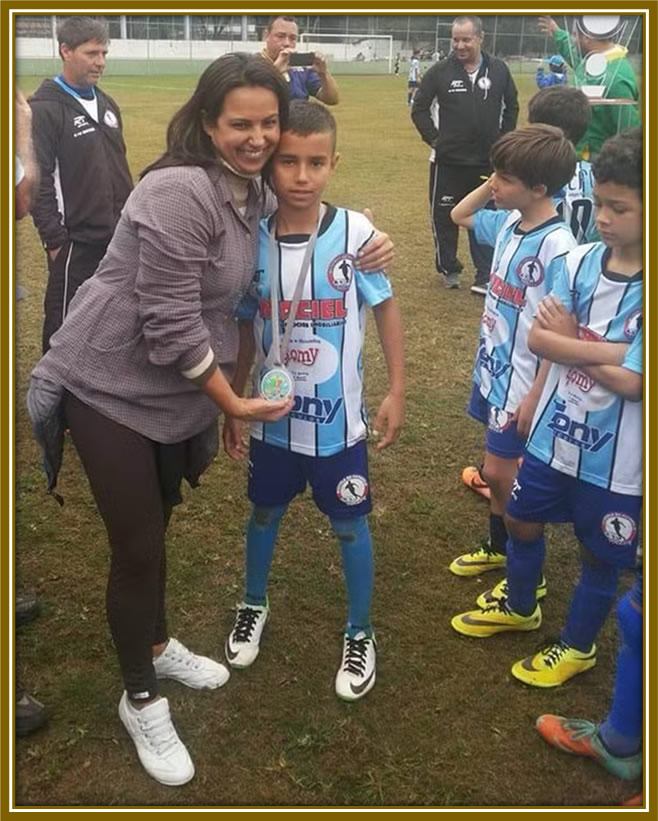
[145, 362]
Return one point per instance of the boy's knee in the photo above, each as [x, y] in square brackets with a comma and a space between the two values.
[265, 517]
[348, 531]
[523, 531]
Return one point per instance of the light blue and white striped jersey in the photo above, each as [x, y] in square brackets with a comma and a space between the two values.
[325, 351]
[521, 275]
[414, 70]
[580, 427]
[575, 204]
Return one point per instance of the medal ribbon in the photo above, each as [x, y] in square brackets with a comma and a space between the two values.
[280, 346]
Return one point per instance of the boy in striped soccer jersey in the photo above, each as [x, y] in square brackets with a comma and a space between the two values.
[322, 441]
[584, 456]
[530, 165]
[569, 109]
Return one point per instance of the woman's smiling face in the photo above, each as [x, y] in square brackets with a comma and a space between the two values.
[247, 130]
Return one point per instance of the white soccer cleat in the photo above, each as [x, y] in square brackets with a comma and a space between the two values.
[243, 643]
[180, 664]
[356, 674]
[161, 752]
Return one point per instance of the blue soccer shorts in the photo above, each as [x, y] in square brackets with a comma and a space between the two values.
[606, 523]
[340, 484]
[502, 438]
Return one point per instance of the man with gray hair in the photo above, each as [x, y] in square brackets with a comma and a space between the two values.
[463, 105]
[85, 179]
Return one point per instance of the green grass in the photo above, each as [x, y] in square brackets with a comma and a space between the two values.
[446, 724]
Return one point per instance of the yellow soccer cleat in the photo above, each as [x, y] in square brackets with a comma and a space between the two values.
[478, 561]
[553, 665]
[497, 618]
[501, 591]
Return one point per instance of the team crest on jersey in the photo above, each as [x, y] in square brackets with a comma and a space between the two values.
[352, 490]
[530, 271]
[499, 419]
[110, 118]
[484, 83]
[618, 528]
[341, 272]
[633, 324]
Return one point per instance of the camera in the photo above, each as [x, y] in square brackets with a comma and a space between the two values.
[301, 58]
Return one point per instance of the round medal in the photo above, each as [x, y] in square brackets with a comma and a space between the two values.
[277, 383]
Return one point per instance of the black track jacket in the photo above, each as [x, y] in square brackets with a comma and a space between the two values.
[471, 117]
[85, 179]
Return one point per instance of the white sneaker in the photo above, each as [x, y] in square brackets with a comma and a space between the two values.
[356, 674]
[243, 642]
[180, 664]
[161, 752]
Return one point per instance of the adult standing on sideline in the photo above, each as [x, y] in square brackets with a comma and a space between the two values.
[618, 79]
[85, 179]
[463, 105]
[303, 81]
[146, 360]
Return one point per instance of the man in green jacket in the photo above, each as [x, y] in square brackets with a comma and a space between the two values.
[618, 79]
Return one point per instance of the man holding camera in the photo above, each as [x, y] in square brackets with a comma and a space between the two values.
[306, 74]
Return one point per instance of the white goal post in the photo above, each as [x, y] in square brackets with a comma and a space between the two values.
[351, 47]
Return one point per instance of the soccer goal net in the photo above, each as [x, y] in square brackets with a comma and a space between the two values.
[352, 53]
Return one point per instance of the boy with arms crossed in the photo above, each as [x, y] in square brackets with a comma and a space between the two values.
[530, 165]
[584, 456]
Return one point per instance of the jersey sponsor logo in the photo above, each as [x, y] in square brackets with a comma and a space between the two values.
[341, 272]
[619, 528]
[457, 86]
[499, 419]
[530, 271]
[315, 410]
[447, 199]
[80, 121]
[506, 292]
[311, 361]
[581, 380]
[110, 118]
[307, 309]
[589, 335]
[490, 363]
[587, 437]
[352, 490]
[633, 324]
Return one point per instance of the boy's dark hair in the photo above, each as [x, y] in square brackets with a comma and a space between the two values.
[306, 117]
[537, 155]
[74, 31]
[620, 160]
[566, 107]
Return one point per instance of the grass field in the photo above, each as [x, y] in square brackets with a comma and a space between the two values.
[446, 724]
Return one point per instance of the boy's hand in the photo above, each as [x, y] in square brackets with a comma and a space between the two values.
[553, 316]
[524, 414]
[232, 436]
[389, 419]
[377, 253]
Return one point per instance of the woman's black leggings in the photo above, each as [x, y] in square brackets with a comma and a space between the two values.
[122, 471]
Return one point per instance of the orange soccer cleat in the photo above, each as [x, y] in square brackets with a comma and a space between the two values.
[472, 478]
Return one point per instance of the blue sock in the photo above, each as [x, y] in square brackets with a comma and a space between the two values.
[262, 531]
[621, 732]
[590, 604]
[356, 549]
[524, 567]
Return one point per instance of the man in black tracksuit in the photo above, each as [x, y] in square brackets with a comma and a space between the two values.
[85, 179]
[463, 105]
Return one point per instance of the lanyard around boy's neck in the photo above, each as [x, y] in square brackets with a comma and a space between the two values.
[279, 346]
